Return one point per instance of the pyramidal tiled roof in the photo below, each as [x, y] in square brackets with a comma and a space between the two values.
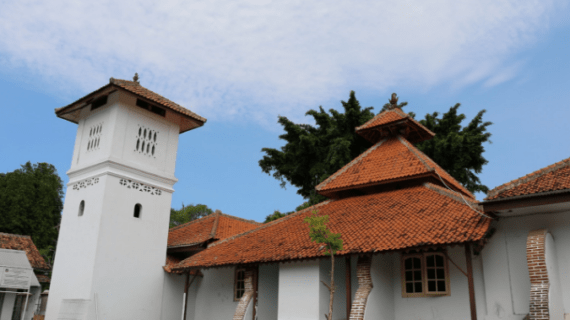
[421, 215]
[71, 112]
[372, 130]
[552, 178]
[391, 159]
[215, 226]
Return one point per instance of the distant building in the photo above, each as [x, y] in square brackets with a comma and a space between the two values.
[12, 304]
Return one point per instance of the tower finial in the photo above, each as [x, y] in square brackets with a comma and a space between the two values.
[393, 101]
[136, 78]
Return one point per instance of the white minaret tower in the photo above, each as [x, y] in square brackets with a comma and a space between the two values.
[114, 229]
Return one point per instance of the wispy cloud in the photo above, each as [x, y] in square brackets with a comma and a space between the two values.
[257, 59]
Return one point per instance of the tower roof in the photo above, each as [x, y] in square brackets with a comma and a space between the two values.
[72, 111]
[389, 160]
[394, 121]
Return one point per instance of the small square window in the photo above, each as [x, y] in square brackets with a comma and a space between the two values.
[424, 274]
[239, 284]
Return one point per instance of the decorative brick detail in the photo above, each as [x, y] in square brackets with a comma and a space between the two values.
[246, 298]
[364, 288]
[539, 283]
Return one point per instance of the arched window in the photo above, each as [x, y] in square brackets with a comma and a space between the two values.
[138, 210]
[81, 208]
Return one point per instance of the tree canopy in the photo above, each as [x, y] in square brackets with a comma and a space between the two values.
[31, 204]
[188, 213]
[313, 153]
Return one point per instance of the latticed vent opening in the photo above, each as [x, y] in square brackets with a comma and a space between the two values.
[146, 141]
[95, 134]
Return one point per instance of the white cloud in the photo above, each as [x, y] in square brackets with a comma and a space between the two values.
[257, 59]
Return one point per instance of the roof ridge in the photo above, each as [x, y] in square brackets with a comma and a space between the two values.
[349, 165]
[216, 222]
[15, 235]
[241, 219]
[450, 194]
[436, 166]
[413, 150]
[528, 177]
[265, 225]
[191, 222]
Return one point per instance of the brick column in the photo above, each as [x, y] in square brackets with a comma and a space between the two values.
[246, 298]
[364, 288]
[539, 284]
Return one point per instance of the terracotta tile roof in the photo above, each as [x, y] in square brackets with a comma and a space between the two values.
[71, 112]
[383, 118]
[421, 215]
[136, 88]
[552, 178]
[388, 160]
[42, 278]
[371, 129]
[215, 226]
[24, 243]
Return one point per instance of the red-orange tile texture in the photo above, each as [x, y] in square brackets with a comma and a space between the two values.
[552, 178]
[136, 88]
[393, 159]
[24, 243]
[200, 230]
[392, 220]
[383, 118]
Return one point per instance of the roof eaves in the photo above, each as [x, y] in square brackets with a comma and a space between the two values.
[529, 177]
[525, 196]
[350, 164]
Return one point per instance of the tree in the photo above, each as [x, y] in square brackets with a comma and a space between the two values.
[313, 153]
[31, 204]
[456, 149]
[320, 233]
[188, 213]
[277, 214]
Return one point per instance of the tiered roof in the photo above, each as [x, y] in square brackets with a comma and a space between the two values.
[389, 160]
[555, 177]
[394, 121]
[24, 243]
[418, 216]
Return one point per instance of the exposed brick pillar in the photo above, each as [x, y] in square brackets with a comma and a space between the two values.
[246, 298]
[539, 284]
[364, 288]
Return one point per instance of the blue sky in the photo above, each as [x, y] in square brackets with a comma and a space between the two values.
[242, 64]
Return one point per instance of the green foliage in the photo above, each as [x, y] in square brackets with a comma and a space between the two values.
[31, 204]
[313, 153]
[458, 150]
[277, 214]
[320, 233]
[188, 213]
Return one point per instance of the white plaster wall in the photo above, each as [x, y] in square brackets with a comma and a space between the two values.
[268, 292]
[131, 253]
[172, 296]
[339, 303]
[452, 307]
[299, 288]
[215, 296]
[505, 270]
[8, 306]
[380, 305]
[555, 304]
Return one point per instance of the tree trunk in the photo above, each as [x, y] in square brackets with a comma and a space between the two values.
[332, 288]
